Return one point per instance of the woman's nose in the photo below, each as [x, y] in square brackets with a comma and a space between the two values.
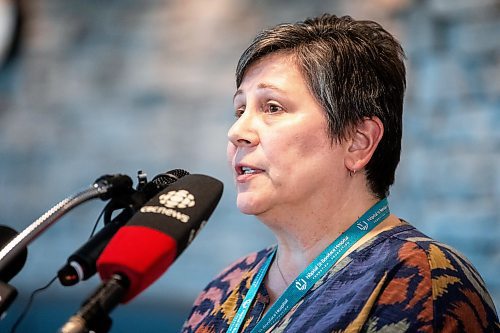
[243, 132]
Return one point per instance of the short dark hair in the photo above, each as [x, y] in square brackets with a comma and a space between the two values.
[355, 69]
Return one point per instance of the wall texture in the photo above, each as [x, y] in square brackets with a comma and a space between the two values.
[120, 86]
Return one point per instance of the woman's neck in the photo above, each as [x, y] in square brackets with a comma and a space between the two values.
[300, 241]
[302, 233]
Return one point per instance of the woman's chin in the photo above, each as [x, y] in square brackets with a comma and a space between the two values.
[248, 205]
[248, 209]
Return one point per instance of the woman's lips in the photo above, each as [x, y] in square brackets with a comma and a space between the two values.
[246, 172]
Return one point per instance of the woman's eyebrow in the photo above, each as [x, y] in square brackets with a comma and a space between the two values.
[270, 86]
[260, 86]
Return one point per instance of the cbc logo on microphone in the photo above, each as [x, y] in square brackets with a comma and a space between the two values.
[170, 202]
[177, 199]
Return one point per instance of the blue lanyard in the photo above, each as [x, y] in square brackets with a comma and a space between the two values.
[313, 273]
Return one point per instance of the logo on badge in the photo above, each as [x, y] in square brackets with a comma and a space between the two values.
[362, 225]
[301, 285]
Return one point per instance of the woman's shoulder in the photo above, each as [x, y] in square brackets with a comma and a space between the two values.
[412, 244]
[445, 277]
[408, 241]
[413, 249]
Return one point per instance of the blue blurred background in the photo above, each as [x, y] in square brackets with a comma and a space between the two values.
[90, 87]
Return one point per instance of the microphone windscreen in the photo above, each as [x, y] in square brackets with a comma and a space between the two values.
[154, 237]
[161, 181]
[16, 263]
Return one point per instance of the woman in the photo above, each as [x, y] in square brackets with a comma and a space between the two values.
[314, 149]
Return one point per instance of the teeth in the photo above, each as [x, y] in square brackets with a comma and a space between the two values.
[247, 170]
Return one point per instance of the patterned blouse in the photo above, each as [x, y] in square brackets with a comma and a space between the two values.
[399, 281]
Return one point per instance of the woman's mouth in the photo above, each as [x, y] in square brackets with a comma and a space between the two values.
[244, 172]
[248, 171]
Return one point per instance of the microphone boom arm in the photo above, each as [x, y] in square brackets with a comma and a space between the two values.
[99, 189]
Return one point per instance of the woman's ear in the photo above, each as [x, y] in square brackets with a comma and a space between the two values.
[362, 142]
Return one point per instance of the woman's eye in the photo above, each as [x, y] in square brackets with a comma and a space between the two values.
[273, 108]
[239, 112]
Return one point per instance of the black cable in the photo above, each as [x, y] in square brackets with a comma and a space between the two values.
[27, 307]
[97, 223]
[32, 296]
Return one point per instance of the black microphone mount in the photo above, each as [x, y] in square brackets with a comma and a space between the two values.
[81, 265]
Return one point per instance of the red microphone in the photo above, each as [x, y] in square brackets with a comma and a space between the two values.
[143, 249]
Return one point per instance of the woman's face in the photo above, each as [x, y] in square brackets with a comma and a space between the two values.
[281, 155]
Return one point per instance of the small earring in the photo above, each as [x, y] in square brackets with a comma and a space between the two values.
[352, 172]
